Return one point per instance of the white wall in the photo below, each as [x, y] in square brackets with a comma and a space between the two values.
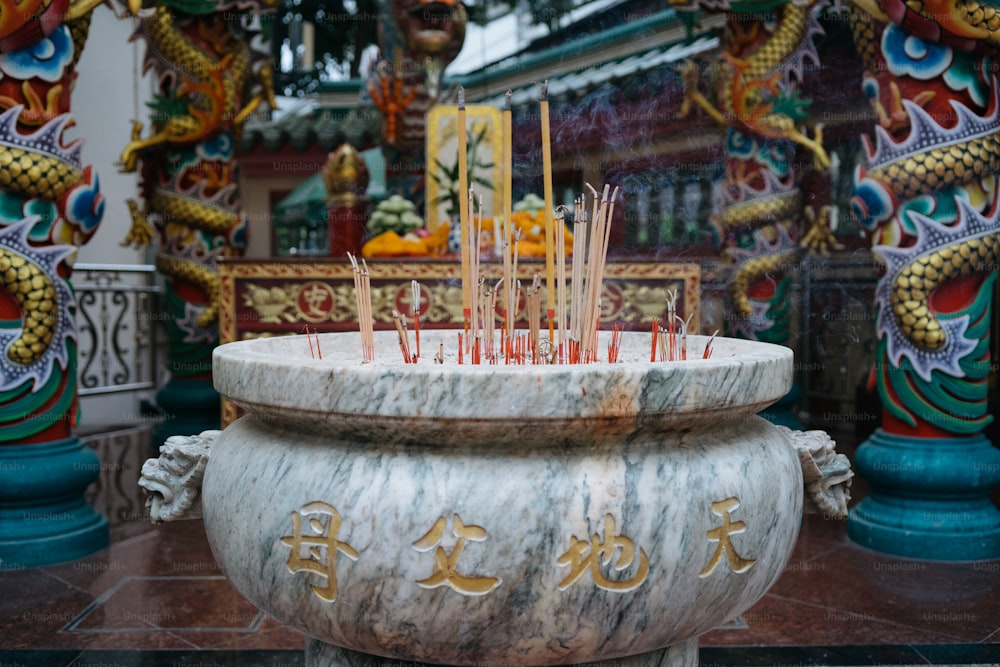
[107, 95]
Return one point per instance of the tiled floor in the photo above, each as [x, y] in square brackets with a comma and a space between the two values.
[157, 597]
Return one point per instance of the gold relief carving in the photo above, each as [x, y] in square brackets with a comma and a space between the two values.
[722, 536]
[445, 563]
[345, 305]
[445, 304]
[633, 292]
[271, 303]
[642, 303]
[317, 551]
[597, 554]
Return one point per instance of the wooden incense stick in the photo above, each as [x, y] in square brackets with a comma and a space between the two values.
[415, 312]
[404, 339]
[463, 209]
[560, 231]
[550, 278]
[515, 295]
[368, 321]
[579, 262]
[473, 237]
[508, 168]
[362, 293]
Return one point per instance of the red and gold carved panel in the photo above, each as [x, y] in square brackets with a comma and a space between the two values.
[280, 297]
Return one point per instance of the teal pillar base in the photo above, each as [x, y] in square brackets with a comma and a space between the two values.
[44, 517]
[929, 497]
[188, 407]
[782, 413]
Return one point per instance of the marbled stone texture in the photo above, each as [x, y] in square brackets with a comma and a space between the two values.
[277, 380]
[536, 515]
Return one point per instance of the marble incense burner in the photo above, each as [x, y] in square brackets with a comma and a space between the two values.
[486, 515]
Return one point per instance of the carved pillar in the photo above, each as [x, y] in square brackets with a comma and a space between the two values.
[759, 207]
[927, 195]
[213, 72]
[50, 205]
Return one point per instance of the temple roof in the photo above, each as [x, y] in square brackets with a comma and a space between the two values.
[341, 112]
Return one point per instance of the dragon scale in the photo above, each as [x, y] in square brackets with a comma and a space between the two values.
[928, 195]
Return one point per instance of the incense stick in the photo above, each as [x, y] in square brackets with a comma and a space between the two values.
[561, 281]
[415, 312]
[543, 102]
[463, 206]
[597, 258]
[579, 257]
[404, 339]
[368, 321]
[312, 355]
[362, 294]
[708, 346]
[508, 169]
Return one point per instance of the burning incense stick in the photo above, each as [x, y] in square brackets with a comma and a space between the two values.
[543, 102]
[463, 206]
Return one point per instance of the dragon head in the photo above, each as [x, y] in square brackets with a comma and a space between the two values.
[431, 28]
[173, 481]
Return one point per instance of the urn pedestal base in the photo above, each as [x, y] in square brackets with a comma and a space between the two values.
[929, 498]
[321, 654]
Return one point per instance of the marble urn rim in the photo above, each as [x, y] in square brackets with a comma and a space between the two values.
[276, 379]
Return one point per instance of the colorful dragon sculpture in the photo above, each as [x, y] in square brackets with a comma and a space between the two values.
[417, 40]
[929, 198]
[760, 205]
[50, 205]
[213, 71]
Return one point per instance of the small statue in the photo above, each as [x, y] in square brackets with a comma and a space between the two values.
[826, 475]
[173, 481]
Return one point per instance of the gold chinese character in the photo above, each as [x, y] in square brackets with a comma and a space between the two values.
[444, 571]
[321, 547]
[600, 555]
[725, 544]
